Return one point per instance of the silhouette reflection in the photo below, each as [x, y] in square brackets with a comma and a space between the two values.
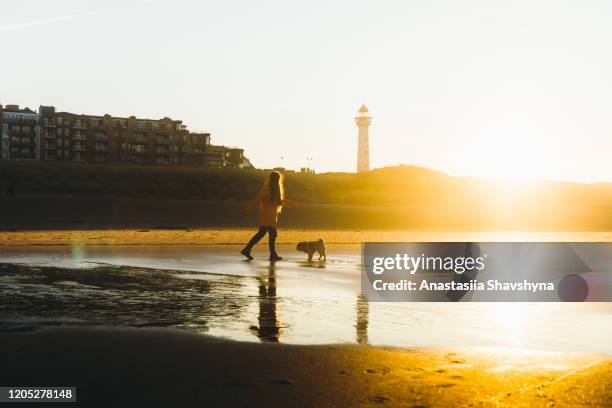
[361, 327]
[269, 326]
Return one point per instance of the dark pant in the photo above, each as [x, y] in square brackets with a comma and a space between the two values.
[259, 235]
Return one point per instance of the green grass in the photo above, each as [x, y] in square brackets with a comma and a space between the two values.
[197, 183]
[406, 196]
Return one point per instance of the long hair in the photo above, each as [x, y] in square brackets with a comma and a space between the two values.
[276, 188]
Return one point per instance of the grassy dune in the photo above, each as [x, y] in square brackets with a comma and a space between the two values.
[35, 195]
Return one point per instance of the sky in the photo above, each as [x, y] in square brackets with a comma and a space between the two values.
[486, 88]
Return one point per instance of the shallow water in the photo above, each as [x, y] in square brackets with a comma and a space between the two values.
[209, 289]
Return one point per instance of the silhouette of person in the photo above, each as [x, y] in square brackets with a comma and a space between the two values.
[269, 326]
[270, 200]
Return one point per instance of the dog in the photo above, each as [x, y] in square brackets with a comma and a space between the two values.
[310, 247]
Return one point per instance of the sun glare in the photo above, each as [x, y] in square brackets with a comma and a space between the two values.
[511, 321]
[513, 151]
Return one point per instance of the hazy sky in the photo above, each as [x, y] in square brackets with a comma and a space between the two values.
[484, 88]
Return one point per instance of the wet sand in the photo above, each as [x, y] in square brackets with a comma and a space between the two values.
[117, 367]
[225, 236]
[210, 290]
[293, 333]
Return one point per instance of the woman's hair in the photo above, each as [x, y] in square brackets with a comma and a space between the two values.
[276, 188]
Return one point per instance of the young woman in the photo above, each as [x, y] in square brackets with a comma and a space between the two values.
[270, 200]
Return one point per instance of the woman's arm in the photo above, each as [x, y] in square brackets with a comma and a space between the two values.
[257, 200]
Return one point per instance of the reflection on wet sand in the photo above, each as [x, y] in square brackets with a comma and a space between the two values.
[206, 290]
[361, 327]
[269, 326]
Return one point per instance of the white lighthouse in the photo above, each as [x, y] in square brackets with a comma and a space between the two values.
[363, 121]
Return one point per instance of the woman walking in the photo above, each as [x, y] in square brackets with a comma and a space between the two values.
[270, 200]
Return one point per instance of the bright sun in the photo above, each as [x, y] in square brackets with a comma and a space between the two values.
[513, 152]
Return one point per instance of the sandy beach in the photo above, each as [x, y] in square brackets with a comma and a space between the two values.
[132, 323]
[128, 367]
[237, 236]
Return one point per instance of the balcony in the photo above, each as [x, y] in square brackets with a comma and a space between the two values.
[50, 146]
[79, 137]
[79, 126]
[22, 143]
[79, 147]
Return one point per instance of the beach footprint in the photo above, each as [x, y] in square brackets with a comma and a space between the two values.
[454, 358]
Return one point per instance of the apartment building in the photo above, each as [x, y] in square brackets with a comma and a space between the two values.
[20, 135]
[109, 139]
[63, 136]
[223, 156]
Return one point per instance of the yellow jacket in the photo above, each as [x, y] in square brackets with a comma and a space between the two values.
[268, 212]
